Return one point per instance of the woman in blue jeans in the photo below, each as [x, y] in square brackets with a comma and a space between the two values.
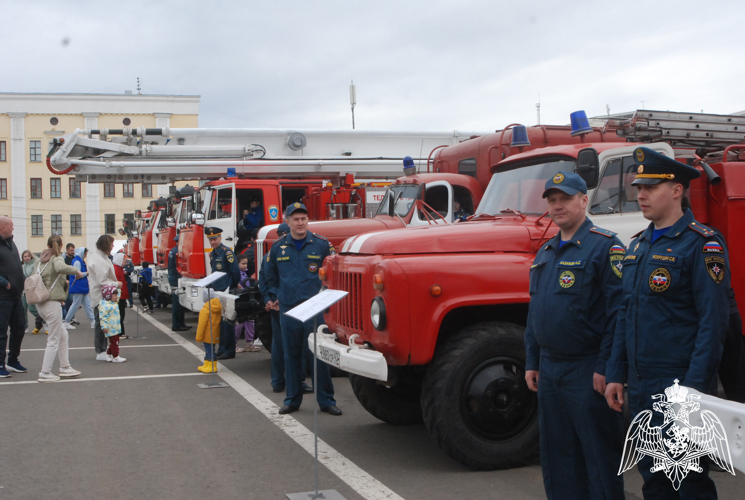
[79, 291]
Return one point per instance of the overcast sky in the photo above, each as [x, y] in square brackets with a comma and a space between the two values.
[418, 65]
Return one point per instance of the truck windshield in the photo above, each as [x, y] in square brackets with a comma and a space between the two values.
[404, 199]
[521, 188]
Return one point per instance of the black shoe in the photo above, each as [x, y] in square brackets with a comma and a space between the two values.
[307, 389]
[74, 323]
[278, 389]
[226, 356]
[180, 328]
[289, 409]
[332, 410]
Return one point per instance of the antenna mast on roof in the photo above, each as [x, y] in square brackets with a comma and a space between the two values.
[138, 85]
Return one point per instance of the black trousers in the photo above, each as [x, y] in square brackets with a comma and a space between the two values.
[11, 318]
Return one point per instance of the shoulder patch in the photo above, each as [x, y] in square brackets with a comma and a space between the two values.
[602, 231]
[319, 236]
[701, 229]
[713, 247]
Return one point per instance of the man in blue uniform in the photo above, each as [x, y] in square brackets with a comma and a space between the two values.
[222, 259]
[253, 217]
[177, 312]
[575, 290]
[675, 310]
[292, 276]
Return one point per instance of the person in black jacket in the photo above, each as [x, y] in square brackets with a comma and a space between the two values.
[11, 305]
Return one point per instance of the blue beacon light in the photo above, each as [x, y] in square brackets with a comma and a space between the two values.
[580, 123]
[231, 172]
[519, 136]
[409, 167]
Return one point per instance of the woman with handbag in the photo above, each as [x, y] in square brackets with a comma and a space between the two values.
[52, 267]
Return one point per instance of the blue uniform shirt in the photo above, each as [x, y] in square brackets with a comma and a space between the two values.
[254, 219]
[223, 260]
[675, 310]
[292, 274]
[575, 291]
[173, 274]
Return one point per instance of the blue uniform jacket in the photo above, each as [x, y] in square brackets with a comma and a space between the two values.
[173, 274]
[254, 219]
[146, 276]
[575, 293]
[675, 310]
[222, 259]
[292, 275]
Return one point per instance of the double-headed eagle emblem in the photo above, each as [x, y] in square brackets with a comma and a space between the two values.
[676, 446]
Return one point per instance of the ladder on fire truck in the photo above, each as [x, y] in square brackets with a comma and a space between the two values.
[700, 132]
[165, 155]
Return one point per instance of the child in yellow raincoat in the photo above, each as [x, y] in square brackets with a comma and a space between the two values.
[210, 336]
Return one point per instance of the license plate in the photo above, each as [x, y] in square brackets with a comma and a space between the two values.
[329, 356]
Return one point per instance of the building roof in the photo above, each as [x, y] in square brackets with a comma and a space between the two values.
[77, 103]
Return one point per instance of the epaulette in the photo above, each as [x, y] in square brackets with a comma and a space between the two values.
[319, 236]
[701, 229]
[638, 234]
[604, 232]
[283, 237]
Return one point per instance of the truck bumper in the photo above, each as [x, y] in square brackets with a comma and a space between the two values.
[190, 297]
[351, 358]
[161, 277]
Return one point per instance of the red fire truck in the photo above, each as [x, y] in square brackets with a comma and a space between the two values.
[432, 328]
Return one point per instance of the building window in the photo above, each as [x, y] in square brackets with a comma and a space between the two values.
[54, 120]
[2, 150]
[57, 224]
[76, 225]
[129, 190]
[147, 190]
[37, 226]
[4, 189]
[74, 189]
[35, 151]
[35, 188]
[109, 190]
[55, 188]
[127, 122]
[110, 223]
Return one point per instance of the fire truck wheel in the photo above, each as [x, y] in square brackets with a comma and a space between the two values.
[263, 329]
[475, 402]
[397, 405]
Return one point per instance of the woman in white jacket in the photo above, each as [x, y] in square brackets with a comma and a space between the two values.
[100, 272]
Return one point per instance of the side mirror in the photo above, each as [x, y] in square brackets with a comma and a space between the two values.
[197, 219]
[138, 214]
[587, 166]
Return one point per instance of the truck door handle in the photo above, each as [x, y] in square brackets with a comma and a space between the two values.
[229, 238]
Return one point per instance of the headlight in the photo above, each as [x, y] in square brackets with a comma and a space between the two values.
[377, 313]
[194, 291]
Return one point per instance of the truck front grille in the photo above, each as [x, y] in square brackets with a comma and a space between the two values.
[348, 311]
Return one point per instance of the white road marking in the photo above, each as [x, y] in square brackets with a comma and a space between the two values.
[363, 483]
[120, 347]
[98, 379]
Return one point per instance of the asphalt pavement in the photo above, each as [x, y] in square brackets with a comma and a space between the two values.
[144, 429]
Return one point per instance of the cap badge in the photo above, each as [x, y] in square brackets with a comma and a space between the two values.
[296, 205]
[640, 170]
[558, 179]
[639, 155]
